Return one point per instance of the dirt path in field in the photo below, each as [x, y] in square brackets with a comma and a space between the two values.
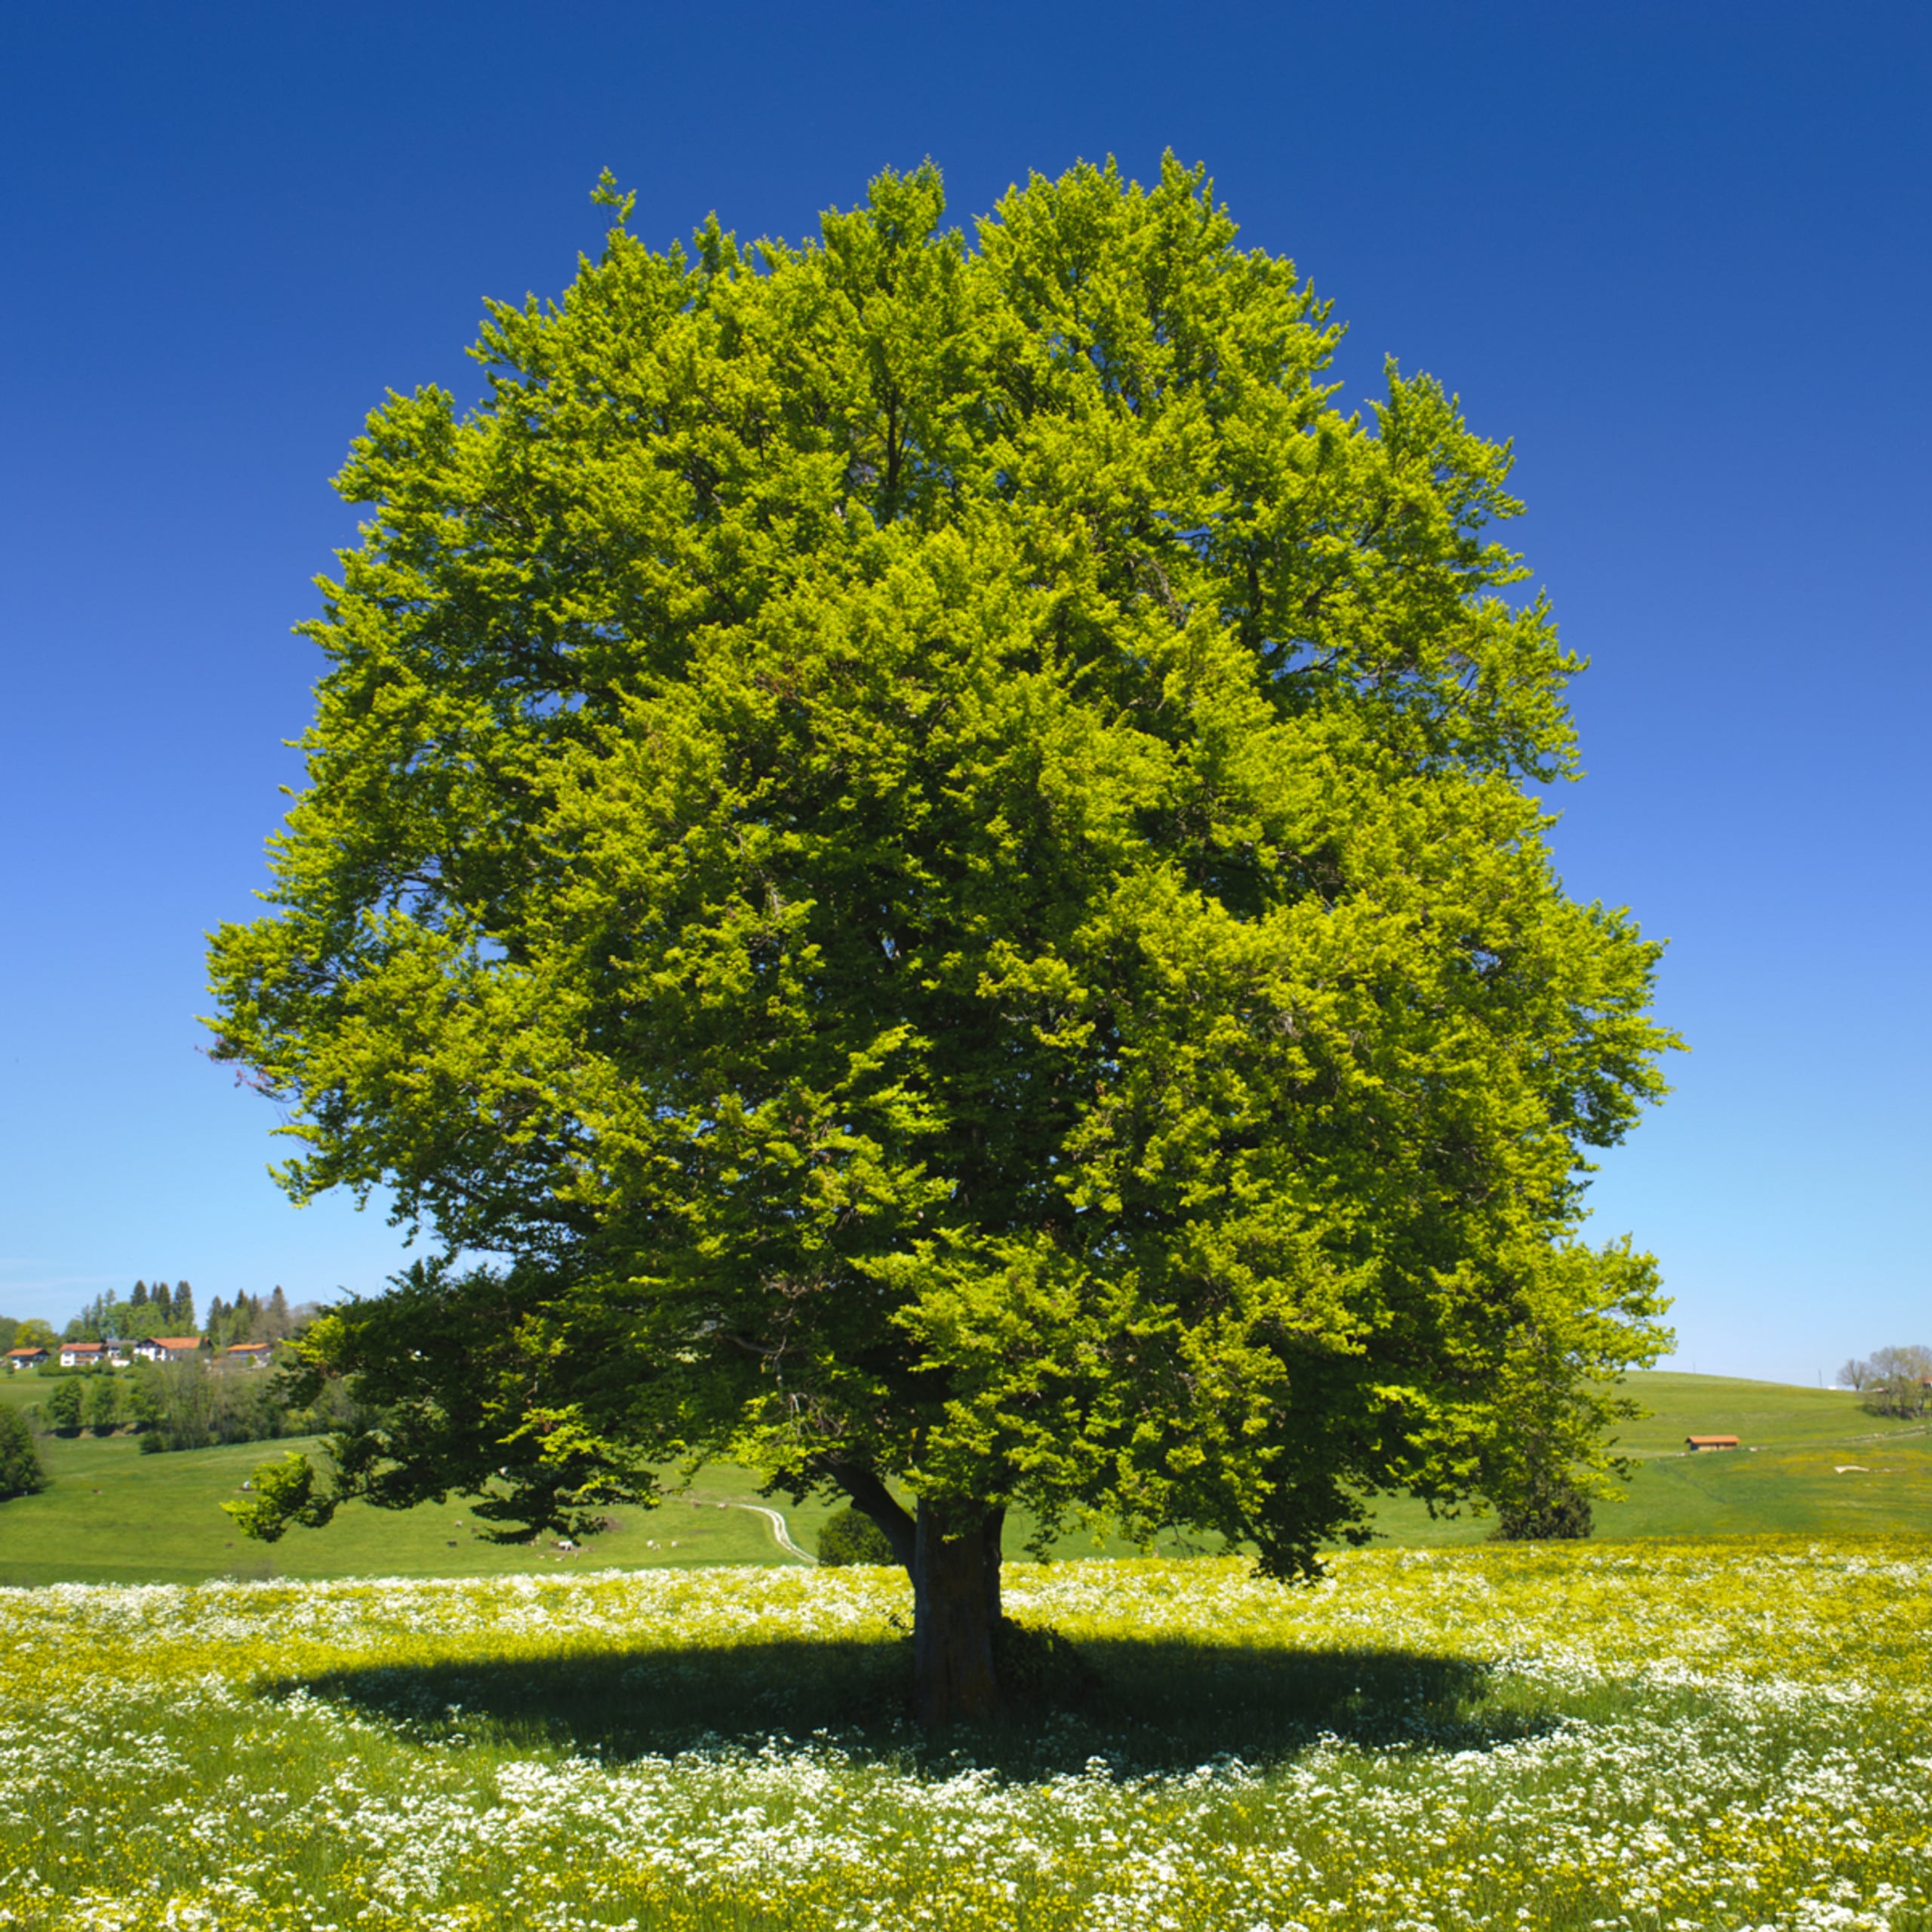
[779, 1529]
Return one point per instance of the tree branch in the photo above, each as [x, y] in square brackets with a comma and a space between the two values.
[871, 1497]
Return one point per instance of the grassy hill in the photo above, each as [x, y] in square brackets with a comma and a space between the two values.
[1813, 1463]
[22, 1392]
[1771, 1414]
[112, 1515]
[1816, 1464]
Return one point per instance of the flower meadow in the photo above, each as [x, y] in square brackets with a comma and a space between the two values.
[1679, 1735]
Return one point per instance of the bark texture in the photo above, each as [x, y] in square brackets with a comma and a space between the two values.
[955, 1611]
[951, 1550]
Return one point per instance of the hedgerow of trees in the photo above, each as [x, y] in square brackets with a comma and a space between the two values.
[147, 1312]
[193, 1404]
[1894, 1382]
[251, 1319]
[161, 1310]
[190, 1405]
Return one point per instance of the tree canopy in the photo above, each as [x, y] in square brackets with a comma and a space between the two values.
[941, 858]
[21, 1471]
[145, 1313]
[1894, 1381]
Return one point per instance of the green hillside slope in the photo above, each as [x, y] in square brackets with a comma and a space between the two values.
[1773, 1414]
[113, 1515]
[1813, 1463]
[1817, 1464]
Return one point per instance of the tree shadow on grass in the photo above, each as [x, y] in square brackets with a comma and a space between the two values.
[1142, 1705]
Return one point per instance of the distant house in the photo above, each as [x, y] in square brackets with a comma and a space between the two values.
[25, 1358]
[90, 1354]
[169, 1348]
[248, 1355]
[1694, 1444]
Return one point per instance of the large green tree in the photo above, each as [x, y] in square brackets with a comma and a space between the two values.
[945, 857]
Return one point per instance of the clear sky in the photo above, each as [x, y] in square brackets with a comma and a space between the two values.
[1679, 253]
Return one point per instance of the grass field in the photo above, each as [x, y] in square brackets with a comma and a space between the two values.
[1821, 1467]
[1814, 1463]
[1699, 1737]
[114, 1515]
[681, 1727]
[111, 1514]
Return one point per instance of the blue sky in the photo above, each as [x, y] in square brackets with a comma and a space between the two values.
[1678, 253]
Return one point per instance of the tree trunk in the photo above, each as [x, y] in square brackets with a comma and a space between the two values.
[952, 1551]
[955, 1611]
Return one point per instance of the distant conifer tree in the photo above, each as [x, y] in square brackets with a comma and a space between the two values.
[184, 1307]
[139, 1299]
